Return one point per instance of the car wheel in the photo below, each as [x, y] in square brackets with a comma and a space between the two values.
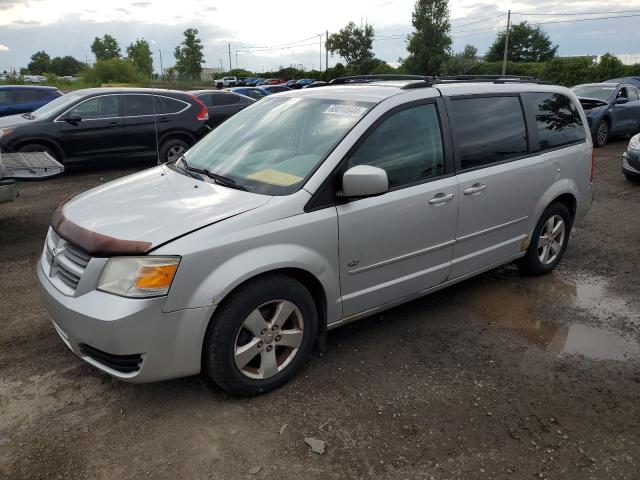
[219, 86]
[602, 134]
[261, 336]
[548, 242]
[36, 147]
[172, 150]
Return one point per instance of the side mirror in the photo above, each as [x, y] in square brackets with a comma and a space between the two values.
[364, 181]
[622, 100]
[73, 118]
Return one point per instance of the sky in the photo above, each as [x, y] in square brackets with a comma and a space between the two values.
[266, 35]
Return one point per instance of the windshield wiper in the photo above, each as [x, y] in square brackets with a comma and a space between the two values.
[28, 116]
[221, 179]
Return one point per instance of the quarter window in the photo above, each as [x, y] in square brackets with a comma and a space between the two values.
[98, 107]
[633, 94]
[166, 105]
[138, 105]
[489, 130]
[407, 145]
[219, 99]
[558, 120]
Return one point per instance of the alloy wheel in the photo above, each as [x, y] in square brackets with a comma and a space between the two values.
[603, 133]
[175, 152]
[551, 239]
[268, 339]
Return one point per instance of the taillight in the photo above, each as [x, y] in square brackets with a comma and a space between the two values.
[593, 164]
[203, 114]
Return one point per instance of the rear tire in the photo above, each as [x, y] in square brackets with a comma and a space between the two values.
[261, 336]
[172, 149]
[548, 241]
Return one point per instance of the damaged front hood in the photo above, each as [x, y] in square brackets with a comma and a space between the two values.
[139, 212]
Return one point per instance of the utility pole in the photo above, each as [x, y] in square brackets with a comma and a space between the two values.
[236, 59]
[506, 44]
[161, 69]
[320, 51]
[229, 45]
[326, 51]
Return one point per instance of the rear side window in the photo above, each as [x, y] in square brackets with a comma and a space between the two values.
[407, 145]
[219, 99]
[489, 130]
[166, 105]
[633, 94]
[558, 120]
[28, 95]
[138, 105]
[5, 97]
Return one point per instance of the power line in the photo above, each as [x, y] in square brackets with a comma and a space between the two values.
[479, 21]
[571, 14]
[586, 19]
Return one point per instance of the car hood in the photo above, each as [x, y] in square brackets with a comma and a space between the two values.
[591, 103]
[140, 212]
[13, 121]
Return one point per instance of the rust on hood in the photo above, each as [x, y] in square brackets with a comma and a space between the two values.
[95, 243]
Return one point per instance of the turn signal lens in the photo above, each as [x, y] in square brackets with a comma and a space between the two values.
[159, 276]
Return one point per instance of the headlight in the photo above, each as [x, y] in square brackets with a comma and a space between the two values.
[634, 144]
[138, 277]
[5, 131]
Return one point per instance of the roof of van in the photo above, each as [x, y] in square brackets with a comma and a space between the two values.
[380, 90]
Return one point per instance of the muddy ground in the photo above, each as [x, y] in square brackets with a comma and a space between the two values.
[502, 376]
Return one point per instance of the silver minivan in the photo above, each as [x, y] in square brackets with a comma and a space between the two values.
[310, 209]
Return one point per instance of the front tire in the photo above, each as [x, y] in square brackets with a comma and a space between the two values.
[548, 241]
[602, 134]
[37, 147]
[261, 336]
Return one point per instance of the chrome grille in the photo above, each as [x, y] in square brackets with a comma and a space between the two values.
[66, 261]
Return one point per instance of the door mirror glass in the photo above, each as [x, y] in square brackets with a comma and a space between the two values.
[73, 118]
[621, 100]
[364, 181]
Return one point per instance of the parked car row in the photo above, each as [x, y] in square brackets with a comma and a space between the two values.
[16, 99]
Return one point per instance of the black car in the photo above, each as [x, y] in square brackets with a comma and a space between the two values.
[222, 104]
[100, 124]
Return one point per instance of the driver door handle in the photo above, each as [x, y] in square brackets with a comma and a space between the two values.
[475, 188]
[441, 199]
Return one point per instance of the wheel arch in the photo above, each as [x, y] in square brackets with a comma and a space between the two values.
[47, 142]
[564, 191]
[179, 134]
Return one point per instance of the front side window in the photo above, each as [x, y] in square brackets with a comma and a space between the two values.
[98, 107]
[138, 105]
[489, 130]
[272, 146]
[407, 145]
[558, 120]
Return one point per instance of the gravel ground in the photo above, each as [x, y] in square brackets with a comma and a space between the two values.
[502, 376]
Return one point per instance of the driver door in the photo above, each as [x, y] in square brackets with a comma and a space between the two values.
[98, 134]
[399, 243]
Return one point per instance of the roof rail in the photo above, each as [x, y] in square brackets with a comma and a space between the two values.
[423, 81]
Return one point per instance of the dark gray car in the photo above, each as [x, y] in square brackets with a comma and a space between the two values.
[631, 159]
[222, 104]
[611, 109]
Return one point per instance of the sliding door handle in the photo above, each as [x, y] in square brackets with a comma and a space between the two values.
[475, 188]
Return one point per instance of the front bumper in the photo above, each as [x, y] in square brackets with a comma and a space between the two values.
[631, 164]
[169, 344]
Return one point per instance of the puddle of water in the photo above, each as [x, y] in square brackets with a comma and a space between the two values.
[503, 304]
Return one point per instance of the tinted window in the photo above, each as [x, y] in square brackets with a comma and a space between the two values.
[27, 95]
[254, 93]
[5, 96]
[489, 130]
[99, 107]
[407, 145]
[136, 105]
[557, 120]
[218, 99]
[165, 105]
[633, 94]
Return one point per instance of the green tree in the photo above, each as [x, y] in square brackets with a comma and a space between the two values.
[66, 66]
[105, 48]
[608, 67]
[461, 63]
[139, 53]
[115, 70]
[40, 63]
[189, 56]
[430, 44]
[527, 43]
[352, 43]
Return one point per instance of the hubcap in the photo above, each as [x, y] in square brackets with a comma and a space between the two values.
[175, 152]
[551, 239]
[268, 339]
[603, 132]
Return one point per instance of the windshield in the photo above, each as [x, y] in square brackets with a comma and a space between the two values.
[59, 104]
[599, 92]
[272, 146]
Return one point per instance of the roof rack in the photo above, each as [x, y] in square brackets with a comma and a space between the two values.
[423, 81]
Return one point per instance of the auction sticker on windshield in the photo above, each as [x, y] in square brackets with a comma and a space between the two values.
[347, 110]
[275, 177]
